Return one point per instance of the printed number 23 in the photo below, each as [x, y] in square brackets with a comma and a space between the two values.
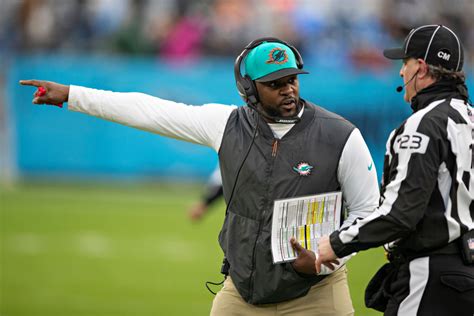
[410, 142]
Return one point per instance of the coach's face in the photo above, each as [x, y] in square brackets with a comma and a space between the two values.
[280, 97]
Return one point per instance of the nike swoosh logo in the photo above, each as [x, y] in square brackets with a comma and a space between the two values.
[370, 166]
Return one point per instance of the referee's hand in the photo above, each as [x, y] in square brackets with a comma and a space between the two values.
[48, 92]
[325, 255]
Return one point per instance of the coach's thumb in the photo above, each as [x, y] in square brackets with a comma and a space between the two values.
[296, 245]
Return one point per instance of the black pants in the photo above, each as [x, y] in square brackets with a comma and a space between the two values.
[435, 285]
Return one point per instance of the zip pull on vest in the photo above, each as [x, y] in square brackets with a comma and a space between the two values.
[274, 148]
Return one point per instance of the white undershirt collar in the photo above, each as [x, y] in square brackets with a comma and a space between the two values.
[279, 129]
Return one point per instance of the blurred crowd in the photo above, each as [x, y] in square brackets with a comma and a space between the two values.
[349, 34]
[341, 32]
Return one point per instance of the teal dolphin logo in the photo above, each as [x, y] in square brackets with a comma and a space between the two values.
[303, 169]
[277, 56]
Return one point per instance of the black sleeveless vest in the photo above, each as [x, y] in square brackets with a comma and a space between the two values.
[271, 172]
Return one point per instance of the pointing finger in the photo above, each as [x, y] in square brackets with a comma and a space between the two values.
[35, 83]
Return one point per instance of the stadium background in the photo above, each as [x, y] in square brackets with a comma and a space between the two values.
[93, 213]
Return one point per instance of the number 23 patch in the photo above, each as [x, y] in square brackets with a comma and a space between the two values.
[414, 143]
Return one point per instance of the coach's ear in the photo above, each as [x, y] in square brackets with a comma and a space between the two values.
[48, 92]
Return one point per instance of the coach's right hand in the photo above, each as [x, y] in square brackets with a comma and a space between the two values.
[54, 93]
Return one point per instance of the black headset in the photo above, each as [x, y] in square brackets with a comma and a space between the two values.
[246, 86]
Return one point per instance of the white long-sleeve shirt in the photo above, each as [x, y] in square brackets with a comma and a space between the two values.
[205, 125]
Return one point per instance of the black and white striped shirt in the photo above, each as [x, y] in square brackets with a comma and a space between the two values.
[428, 181]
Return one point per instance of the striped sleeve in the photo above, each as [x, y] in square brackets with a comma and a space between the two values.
[414, 162]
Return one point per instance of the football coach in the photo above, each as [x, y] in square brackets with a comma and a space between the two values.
[261, 148]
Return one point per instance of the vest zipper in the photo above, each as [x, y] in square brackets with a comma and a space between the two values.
[274, 148]
[260, 224]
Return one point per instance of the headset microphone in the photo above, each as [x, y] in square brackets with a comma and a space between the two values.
[400, 88]
[276, 119]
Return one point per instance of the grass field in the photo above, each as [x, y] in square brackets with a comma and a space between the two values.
[70, 249]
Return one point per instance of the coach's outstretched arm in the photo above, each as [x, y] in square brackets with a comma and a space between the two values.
[203, 124]
[54, 93]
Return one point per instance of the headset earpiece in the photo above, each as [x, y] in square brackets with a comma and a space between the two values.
[247, 89]
[250, 90]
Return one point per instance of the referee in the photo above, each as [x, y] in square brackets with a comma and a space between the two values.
[426, 210]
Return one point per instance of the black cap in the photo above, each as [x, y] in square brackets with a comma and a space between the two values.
[437, 45]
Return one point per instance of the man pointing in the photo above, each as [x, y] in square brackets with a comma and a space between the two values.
[260, 147]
